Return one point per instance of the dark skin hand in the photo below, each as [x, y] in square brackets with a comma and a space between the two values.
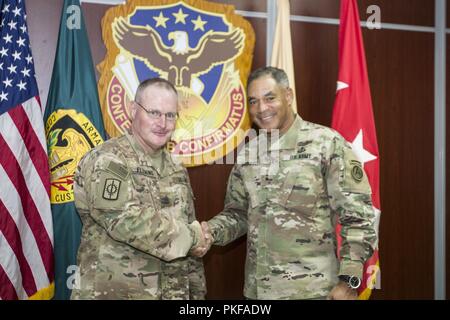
[342, 292]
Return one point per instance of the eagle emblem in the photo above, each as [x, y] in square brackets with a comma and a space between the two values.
[179, 61]
[198, 50]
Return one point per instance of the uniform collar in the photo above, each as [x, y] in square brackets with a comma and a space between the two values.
[289, 139]
[169, 167]
[135, 145]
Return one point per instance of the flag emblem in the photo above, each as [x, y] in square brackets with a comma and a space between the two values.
[70, 135]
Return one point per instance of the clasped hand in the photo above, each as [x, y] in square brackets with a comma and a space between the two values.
[205, 243]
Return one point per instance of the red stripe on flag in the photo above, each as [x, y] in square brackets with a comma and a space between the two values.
[7, 290]
[37, 153]
[38, 99]
[11, 232]
[13, 170]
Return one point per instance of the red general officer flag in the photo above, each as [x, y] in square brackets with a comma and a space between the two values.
[353, 117]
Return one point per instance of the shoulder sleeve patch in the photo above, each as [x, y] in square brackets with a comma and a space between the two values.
[110, 192]
[355, 179]
[111, 189]
[356, 171]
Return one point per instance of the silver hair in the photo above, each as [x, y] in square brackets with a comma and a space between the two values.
[277, 74]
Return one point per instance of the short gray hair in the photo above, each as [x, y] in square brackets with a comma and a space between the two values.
[277, 74]
[158, 82]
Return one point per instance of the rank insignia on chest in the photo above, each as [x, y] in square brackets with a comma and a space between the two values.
[111, 189]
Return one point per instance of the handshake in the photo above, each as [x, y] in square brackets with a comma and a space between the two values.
[205, 242]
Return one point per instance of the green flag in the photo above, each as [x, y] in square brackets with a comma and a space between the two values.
[73, 126]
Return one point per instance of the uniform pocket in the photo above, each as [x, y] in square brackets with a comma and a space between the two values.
[176, 196]
[301, 186]
[253, 181]
[254, 194]
[125, 273]
[144, 190]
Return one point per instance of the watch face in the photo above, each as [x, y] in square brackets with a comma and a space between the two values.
[354, 282]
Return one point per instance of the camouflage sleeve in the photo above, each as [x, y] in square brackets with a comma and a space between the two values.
[80, 199]
[196, 273]
[350, 198]
[190, 207]
[112, 203]
[197, 281]
[231, 223]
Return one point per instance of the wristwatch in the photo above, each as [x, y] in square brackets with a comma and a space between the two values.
[353, 282]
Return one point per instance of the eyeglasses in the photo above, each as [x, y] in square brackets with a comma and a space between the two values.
[155, 114]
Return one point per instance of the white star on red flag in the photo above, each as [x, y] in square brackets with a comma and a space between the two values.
[341, 85]
[358, 148]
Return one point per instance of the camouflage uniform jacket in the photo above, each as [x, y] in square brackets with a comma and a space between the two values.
[288, 201]
[138, 226]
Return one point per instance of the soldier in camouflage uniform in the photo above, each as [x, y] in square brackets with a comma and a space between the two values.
[136, 205]
[288, 201]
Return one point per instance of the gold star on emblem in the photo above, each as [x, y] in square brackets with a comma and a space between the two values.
[161, 20]
[180, 16]
[199, 23]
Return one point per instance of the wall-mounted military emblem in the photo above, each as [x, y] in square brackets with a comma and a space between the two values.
[203, 48]
[69, 136]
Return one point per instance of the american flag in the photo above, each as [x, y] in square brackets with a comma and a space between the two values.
[26, 231]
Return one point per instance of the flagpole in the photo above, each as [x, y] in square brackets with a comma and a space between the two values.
[440, 149]
[270, 29]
